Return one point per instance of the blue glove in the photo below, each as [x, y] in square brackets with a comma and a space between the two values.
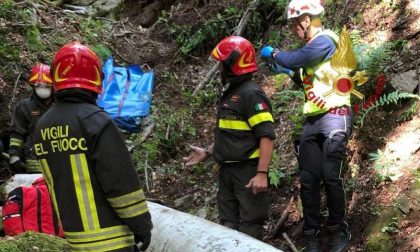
[276, 68]
[267, 51]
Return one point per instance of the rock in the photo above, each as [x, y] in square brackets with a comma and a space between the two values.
[97, 8]
[403, 204]
[202, 212]
[407, 81]
[179, 202]
[110, 8]
[81, 10]
[415, 193]
[149, 15]
[82, 2]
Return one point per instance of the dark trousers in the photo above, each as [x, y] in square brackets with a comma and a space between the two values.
[238, 207]
[322, 150]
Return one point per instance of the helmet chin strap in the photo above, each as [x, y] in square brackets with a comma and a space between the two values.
[305, 32]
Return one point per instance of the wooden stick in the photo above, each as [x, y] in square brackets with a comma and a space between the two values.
[14, 92]
[141, 138]
[291, 245]
[146, 175]
[245, 18]
[209, 77]
[282, 218]
[168, 128]
[238, 31]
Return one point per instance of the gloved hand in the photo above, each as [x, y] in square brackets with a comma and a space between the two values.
[267, 51]
[276, 68]
[144, 241]
[17, 165]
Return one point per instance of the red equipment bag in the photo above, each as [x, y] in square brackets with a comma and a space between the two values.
[29, 208]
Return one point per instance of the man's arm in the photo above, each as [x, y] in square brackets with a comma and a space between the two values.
[18, 131]
[266, 150]
[318, 50]
[259, 183]
[258, 111]
[117, 176]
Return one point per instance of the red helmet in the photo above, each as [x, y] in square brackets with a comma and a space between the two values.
[76, 66]
[237, 54]
[40, 74]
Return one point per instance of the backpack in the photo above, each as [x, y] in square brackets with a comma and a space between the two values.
[29, 208]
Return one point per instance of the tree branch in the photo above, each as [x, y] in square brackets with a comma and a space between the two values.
[282, 218]
[238, 31]
[291, 245]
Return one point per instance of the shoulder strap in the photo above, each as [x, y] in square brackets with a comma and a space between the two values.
[328, 33]
[30, 200]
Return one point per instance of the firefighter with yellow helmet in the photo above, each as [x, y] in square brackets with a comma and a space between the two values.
[322, 146]
[92, 180]
[243, 141]
[25, 116]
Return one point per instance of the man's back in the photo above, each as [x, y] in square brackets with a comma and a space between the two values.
[90, 175]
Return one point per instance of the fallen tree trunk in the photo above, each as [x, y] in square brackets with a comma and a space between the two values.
[176, 231]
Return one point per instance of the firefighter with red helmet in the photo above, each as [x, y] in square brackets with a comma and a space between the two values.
[26, 114]
[90, 175]
[243, 141]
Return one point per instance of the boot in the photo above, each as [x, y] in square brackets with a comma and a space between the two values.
[340, 237]
[230, 225]
[254, 230]
[312, 241]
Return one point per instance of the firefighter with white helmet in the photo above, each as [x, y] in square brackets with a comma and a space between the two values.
[322, 146]
[299, 8]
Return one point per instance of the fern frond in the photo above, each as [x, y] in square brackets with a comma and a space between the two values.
[385, 99]
[410, 112]
[281, 100]
[373, 60]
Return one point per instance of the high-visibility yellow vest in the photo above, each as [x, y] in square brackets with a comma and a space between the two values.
[316, 86]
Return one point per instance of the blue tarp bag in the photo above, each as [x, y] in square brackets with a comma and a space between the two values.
[126, 94]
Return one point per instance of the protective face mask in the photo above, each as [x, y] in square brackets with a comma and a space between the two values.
[43, 92]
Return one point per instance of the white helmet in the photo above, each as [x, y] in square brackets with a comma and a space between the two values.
[297, 8]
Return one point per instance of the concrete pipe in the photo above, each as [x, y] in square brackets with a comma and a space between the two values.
[175, 231]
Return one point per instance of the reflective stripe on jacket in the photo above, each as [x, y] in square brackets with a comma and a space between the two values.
[243, 117]
[91, 178]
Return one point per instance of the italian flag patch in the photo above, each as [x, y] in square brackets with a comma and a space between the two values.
[261, 106]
